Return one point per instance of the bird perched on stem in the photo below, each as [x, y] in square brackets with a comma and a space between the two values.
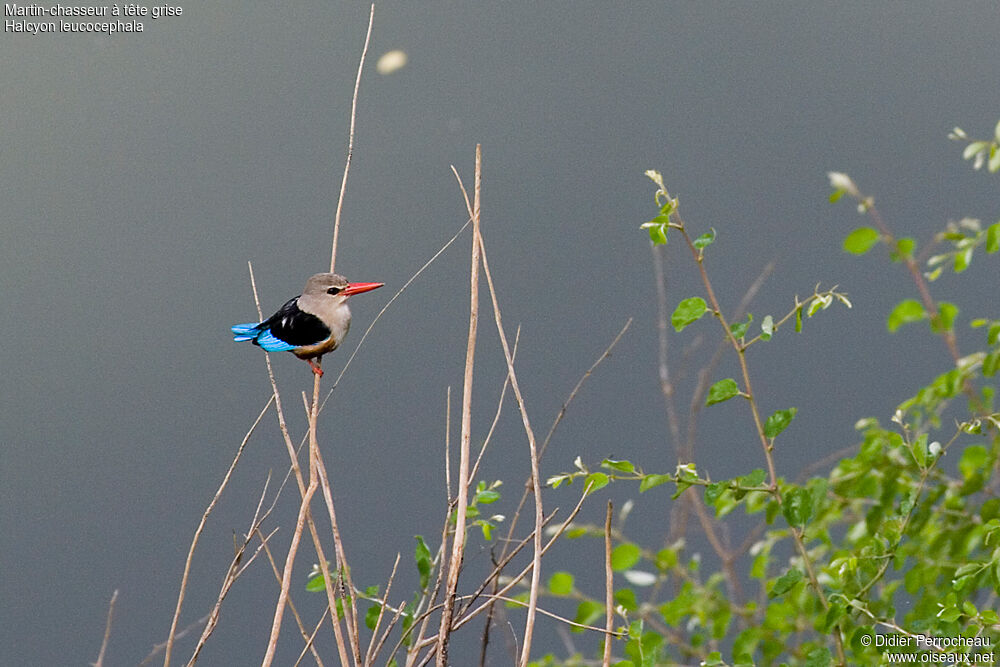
[311, 324]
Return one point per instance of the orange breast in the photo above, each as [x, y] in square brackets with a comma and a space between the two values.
[316, 350]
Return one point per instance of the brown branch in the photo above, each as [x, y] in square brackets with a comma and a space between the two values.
[148, 660]
[298, 619]
[458, 544]
[369, 654]
[609, 589]
[350, 140]
[107, 631]
[200, 528]
[286, 577]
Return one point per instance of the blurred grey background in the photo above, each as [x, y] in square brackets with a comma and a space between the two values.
[141, 172]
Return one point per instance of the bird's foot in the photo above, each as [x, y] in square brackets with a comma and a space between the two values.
[315, 367]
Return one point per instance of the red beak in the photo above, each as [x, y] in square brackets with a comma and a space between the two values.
[358, 288]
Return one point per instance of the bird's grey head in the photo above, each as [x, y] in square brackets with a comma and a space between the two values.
[325, 283]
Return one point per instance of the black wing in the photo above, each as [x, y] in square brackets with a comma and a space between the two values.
[295, 326]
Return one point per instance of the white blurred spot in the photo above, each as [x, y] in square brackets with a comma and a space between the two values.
[390, 62]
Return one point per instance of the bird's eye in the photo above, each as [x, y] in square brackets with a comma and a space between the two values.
[333, 290]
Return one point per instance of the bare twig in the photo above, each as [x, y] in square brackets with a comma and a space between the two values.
[545, 443]
[533, 452]
[389, 303]
[439, 562]
[311, 639]
[609, 588]
[447, 444]
[350, 606]
[286, 577]
[107, 631]
[369, 653]
[201, 527]
[235, 570]
[496, 416]
[298, 619]
[180, 634]
[458, 544]
[350, 141]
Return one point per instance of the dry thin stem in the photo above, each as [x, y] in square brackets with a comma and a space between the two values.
[234, 572]
[311, 639]
[344, 571]
[458, 544]
[533, 452]
[148, 660]
[286, 577]
[466, 617]
[447, 445]
[298, 619]
[350, 141]
[198, 531]
[545, 443]
[107, 631]
[496, 416]
[609, 589]
[369, 654]
[389, 303]
[429, 601]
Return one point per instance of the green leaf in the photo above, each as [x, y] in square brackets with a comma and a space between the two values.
[778, 422]
[371, 616]
[713, 491]
[819, 303]
[316, 584]
[819, 657]
[993, 238]
[721, 391]
[904, 248]
[798, 320]
[767, 328]
[626, 598]
[651, 480]
[972, 149]
[587, 612]
[561, 583]
[623, 466]
[423, 557]
[688, 311]
[705, 239]
[739, 329]
[861, 240]
[945, 319]
[658, 234]
[973, 461]
[487, 497]
[596, 480]
[797, 506]
[962, 259]
[625, 556]
[784, 583]
[755, 478]
[906, 311]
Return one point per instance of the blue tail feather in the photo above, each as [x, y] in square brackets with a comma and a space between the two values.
[243, 332]
[263, 338]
